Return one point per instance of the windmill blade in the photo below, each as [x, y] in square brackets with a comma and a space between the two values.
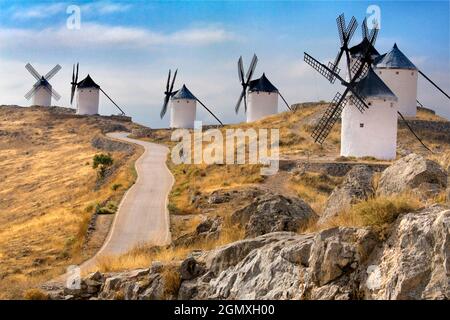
[52, 72]
[76, 74]
[412, 131]
[358, 101]
[241, 70]
[434, 84]
[164, 107]
[173, 80]
[364, 29]
[328, 73]
[74, 85]
[168, 81]
[329, 118]
[30, 93]
[284, 100]
[33, 71]
[122, 113]
[245, 103]
[238, 104]
[334, 66]
[252, 67]
[340, 21]
[52, 92]
[373, 35]
[352, 26]
[203, 105]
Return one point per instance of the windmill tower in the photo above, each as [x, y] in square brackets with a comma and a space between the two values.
[42, 91]
[400, 74]
[368, 107]
[183, 105]
[260, 95]
[88, 94]
[372, 133]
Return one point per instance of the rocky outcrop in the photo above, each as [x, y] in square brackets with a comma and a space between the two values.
[338, 263]
[110, 145]
[357, 186]
[273, 213]
[414, 262]
[284, 265]
[413, 172]
[207, 230]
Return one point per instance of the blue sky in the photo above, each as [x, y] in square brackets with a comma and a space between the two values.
[128, 47]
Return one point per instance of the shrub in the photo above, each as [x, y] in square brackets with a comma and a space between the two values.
[116, 186]
[102, 159]
[109, 208]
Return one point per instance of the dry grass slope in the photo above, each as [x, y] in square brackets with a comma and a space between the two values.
[48, 192]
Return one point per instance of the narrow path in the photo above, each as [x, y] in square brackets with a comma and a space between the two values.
[142, 216]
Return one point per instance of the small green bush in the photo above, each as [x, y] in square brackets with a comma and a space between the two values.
[116, 186]
[102, 159]
[110, 208]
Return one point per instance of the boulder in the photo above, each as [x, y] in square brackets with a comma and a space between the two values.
[284, 265]
[273, 213]
[414, 262]
[357, 186]
[207, 230]
[413, 172]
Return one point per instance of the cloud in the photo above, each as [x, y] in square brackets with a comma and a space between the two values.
[105, 7]
[37, 12]
[49, 10]
[94, 35]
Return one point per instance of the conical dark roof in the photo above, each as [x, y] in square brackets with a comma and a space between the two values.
[262, 85]
[361, 49]
[395, 59]
[183, 93]
[371, 86]
[88, 83]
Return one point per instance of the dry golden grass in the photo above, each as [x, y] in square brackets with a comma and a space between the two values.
[314, 188]
[47, 183]
[378, 213]
[143, 255]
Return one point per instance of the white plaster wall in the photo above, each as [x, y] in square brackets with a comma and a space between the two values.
[261, 104]
[377, 138]
[87, 101]
[403, 83]
[42, 97]
[182, 113]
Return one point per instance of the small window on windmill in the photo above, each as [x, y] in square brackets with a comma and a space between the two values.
[370, 103]
[412, 73]
[396, 72]
[361, 125]
[392, 104]
[380, 72]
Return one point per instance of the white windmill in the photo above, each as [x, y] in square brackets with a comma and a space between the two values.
[42, 91]
[261, 94]
[368, 107]
[88, 94]
[183, 105]
[400, 74]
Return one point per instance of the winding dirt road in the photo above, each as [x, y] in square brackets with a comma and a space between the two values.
[142, 216]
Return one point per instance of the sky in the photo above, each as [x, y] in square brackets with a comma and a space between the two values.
[129, 46]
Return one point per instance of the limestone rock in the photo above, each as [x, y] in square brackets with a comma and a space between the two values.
[273, 213]
[412, 172]
[357, 186]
